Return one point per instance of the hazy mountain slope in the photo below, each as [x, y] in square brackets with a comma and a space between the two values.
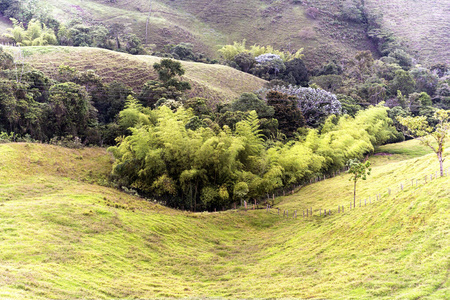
[208, 24]
[65, 237]
[217, 83]
[422, 25]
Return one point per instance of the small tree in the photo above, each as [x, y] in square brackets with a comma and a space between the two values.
[418, 128]
[358, 170]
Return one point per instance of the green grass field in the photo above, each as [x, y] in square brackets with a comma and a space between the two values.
[217, 83]
[63, 236]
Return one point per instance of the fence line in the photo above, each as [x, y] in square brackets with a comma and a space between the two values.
[309, 212]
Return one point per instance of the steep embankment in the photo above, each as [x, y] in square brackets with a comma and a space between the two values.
[63, 237]
[217, 83]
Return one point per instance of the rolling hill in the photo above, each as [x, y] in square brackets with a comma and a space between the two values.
[64, 236]
[217, 83]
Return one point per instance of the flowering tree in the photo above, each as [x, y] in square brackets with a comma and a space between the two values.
[315, 104]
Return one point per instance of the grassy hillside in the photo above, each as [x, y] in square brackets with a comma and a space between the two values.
[215, 82]
[423, 26]
[207, 24]
[285, 24]
[63, 236]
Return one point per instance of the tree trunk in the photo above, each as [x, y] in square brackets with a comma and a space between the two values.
[441, 163]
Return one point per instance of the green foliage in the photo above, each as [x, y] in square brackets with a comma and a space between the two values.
[249, 101]
[358, 170]
[36, 34]
[229, 52]
[168, 88]
[289, 116]
[434, 138]
[404, 82]
[73, 112]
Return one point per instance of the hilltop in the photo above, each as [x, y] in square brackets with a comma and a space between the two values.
[217, 83]
[65, 236]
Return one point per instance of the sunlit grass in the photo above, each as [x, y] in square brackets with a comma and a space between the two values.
[64, 237]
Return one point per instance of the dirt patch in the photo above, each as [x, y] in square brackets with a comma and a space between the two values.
[383, 154]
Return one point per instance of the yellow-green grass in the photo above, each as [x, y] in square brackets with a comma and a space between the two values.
[217, 83]
[71, 238]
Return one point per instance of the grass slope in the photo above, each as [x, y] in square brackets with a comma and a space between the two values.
[422, 25]
[207, 24]
[64, 237]
[217, 83]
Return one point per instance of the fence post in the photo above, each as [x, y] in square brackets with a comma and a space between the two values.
[295, 215]
[329, 212]
[278, 210]
[303, 214]
[389, 192]
[401, 186]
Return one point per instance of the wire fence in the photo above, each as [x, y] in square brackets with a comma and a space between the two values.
[323, 212]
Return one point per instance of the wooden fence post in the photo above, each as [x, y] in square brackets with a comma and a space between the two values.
[329, 212]
[278, 210]
[295, 215]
